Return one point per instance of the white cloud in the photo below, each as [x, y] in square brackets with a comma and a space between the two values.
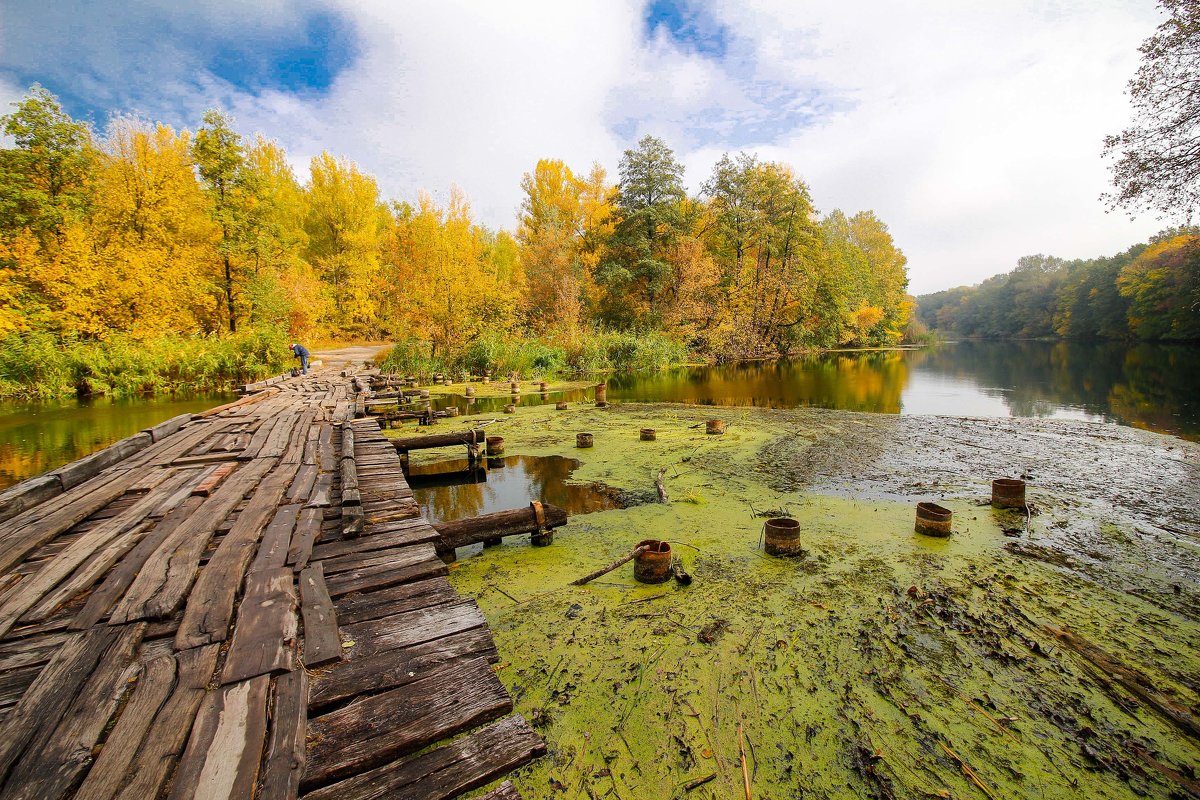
[973, 129]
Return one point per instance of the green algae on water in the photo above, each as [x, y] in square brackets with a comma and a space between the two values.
[880, 664]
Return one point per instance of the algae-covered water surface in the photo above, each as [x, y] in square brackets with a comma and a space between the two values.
[1048, 655]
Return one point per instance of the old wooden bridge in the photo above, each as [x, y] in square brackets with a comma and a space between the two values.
[244, 603]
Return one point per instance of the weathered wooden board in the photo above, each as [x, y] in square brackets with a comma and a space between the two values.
[412, 627]
[89, 467]
[165, 578]
[395, 600]
[374, 578]
[27, 494]
[264, 641]
[360, 563]
[43, 704]
[321, 642]
[415, 531]
[448, 771]
[285, 751]
[209, 607]
[393, 668]
[89, 553]
[58, 753]
[223, 754]
[107, 774]
[120, 578]
[276, 539]
[28, 531]
[373, 730]
[168, 733]
[308, 531]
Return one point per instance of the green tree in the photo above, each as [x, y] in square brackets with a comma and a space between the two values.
[649, 200]
[220, 160]
[44, 179]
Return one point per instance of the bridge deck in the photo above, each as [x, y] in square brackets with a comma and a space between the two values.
[242, 603]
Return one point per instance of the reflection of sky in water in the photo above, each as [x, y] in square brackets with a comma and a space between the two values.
[932, 393]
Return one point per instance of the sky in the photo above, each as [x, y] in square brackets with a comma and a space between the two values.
[973, 129]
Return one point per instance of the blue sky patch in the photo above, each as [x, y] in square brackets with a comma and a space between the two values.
[690, 26]
[302, 64]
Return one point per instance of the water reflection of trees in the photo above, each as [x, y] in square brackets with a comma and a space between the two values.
[513, 485]
[1146, 385]
[37, 437]
[865, 381]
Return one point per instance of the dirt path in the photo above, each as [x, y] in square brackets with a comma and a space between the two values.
[356, 354]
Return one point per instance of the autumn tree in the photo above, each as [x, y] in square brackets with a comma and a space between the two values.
[343, 222]
[563, 231]
[1157, 159]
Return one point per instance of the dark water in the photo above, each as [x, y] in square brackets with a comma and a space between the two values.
[452, 489]
[37, 437]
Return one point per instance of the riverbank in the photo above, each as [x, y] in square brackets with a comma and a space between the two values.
[1018, 658]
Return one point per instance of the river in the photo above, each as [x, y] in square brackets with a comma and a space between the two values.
[1156, 387]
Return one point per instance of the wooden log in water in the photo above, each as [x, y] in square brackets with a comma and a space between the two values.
[463, 532]
[403, 445]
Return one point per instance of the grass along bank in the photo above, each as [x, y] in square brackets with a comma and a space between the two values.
[44, 366]
[545, 357]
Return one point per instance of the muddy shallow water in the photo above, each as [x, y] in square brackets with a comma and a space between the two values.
[1048, 656]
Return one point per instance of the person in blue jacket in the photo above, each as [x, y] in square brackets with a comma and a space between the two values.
[300, 352]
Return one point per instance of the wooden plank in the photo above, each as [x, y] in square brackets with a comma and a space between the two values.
[411, 628]
[382, 577]
[395, 600]
[289, 725]
[446, 772]
[222, 757]
[301, 488]
[416, 531]
[322, 492]
[397, 557]
[90, 466]
[168, 574]
[264, 640]
[209, 607]
[57, 756]
[308, 531]
[213, 478]
[28, 531]
[47, 698]
[259, 439]
[164, 429]
[89, 553]
[107, 774]
[169, 731]
[277, 538]
[321, 642]
[374, 730]
[28, 494]
[394, 668]
[102, 599]
[419, 561]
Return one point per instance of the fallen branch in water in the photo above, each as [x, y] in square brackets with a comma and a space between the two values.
[622, 560]
[745, 772]
[696, 784]
[662, 489]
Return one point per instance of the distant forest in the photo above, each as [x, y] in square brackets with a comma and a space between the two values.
[1150, 292]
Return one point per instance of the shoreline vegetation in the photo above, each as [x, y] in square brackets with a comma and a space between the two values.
[141, 258]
